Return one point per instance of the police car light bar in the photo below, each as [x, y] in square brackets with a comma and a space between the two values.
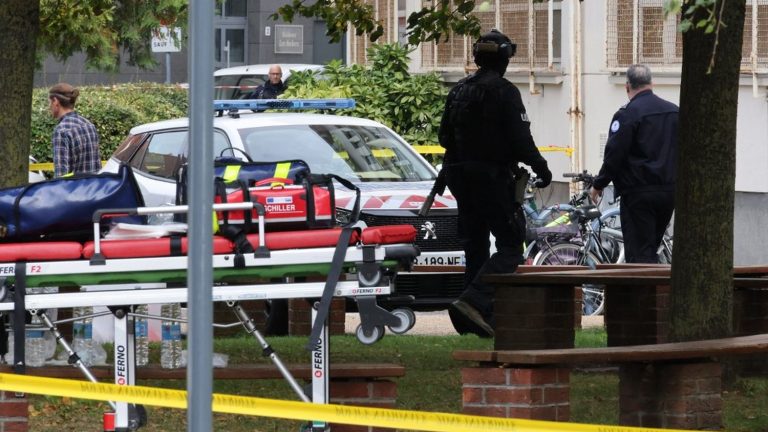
[292, 104]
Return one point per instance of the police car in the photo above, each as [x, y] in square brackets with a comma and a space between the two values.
[236, 82]
[394, 179]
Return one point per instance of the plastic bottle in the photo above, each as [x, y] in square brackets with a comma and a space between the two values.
[170, 347]
[141, 336]
[90, 352]
[35, 349]
[79, 344]
[9, 355]
[50, 339]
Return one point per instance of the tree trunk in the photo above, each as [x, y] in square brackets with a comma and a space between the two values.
[20, 23]
[702, 286]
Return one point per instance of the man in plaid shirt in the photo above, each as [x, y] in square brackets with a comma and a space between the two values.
[75, 139]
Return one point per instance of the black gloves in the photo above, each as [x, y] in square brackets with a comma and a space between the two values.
[543, 178]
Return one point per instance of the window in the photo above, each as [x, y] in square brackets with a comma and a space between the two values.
[230, 45]
[515, 18]
[165, 152]
[655, 40]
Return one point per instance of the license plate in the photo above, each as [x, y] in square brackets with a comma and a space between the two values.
[457, 259]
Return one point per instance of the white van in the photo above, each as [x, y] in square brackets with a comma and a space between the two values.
[236, 82]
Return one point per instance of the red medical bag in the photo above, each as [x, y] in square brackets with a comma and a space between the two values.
[288, 206]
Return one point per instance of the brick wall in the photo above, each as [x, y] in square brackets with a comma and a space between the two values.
[13, 412]
[750, 316]
[527, 393]
[536, 317]
[637, 315]
[671, 395]
[300, 317]
[369, 393]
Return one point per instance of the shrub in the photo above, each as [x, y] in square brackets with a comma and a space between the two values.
[113, 110]
[384, 91]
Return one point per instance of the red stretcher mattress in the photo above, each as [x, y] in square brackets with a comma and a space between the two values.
[169, 246]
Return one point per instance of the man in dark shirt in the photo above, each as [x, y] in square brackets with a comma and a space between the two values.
[272, 88]
[640, 158]
[486, 133]
[75, 139]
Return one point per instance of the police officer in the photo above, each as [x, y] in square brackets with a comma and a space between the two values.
[640, 158]
[486, 132]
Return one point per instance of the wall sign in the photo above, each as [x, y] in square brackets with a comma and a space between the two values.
[289, 39]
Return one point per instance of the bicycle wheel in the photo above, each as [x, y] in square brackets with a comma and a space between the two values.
[593, 296]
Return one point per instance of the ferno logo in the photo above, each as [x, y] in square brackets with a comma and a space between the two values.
[120, 365]
[317, 359]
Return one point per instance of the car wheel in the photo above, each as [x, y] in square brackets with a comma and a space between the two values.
[277, 317]
[464, 326]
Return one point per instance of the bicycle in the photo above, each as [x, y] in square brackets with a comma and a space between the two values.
[561, 229]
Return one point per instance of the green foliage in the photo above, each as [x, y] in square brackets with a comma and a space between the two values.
[384, 91]
[104, 30]
[440, 19]
[113, 110]
[699, 14]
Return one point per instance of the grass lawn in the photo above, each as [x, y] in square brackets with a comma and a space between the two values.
[432, 383]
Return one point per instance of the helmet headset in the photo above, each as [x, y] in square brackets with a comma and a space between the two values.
[494, 42]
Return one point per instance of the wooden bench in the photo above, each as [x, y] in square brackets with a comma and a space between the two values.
[362, 384]
[530, 307]
[670, 385]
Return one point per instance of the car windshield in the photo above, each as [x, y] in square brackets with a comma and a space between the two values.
[358, 153]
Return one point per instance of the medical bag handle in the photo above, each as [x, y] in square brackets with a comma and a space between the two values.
[267, 181]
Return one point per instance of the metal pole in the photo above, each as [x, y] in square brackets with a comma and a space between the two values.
[200, 263]
[167, 68]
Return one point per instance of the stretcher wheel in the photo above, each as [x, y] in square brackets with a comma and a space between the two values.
[374, 336]
[407, 320]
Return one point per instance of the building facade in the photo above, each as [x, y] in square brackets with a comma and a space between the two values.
[243, 34]
[570, 67]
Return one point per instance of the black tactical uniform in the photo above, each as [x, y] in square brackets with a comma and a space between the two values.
[486, 132]
[640, 158]
[267, 91]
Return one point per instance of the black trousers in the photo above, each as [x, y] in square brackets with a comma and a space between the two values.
[644, 217]
[486, 206]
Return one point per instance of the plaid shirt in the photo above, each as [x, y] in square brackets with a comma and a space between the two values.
[75, 146]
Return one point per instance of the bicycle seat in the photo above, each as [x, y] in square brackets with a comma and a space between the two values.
[586, 213]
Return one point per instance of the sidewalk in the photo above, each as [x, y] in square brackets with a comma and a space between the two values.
[438, 323]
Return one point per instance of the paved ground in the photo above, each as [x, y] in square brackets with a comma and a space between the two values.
[438, 323]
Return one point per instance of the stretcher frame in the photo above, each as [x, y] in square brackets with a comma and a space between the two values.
[368, 271]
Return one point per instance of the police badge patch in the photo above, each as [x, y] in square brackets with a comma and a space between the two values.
[615, 126]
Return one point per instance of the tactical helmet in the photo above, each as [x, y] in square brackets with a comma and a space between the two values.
[493, 46]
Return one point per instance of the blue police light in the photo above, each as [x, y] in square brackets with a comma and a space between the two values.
[291, 104]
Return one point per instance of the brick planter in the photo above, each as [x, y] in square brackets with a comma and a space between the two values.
[671, 395]
[368, 393]
[539, 393]
[14, 412]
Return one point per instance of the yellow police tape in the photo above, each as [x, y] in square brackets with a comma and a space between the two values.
[342, 414]
[436, 149]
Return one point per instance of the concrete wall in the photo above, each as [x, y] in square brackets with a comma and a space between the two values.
[750, 235]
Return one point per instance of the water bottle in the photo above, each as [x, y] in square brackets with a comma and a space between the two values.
[35, 349]
[9, 355]
[50, 339]
[79, 344]
[90, 352]
[141, 336]
[170, 348]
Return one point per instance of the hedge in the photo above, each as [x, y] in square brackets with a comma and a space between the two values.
[113, 110]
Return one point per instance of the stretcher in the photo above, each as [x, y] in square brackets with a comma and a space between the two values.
[358, 262]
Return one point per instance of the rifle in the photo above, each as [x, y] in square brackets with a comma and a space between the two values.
[437, 189]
